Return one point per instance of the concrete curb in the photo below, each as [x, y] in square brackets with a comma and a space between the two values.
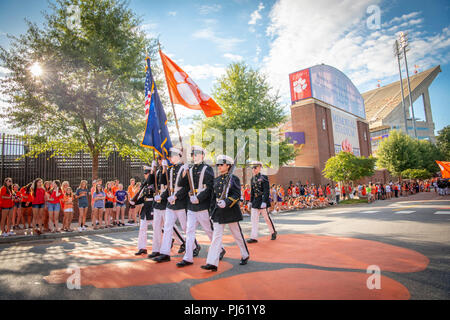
[52, 236]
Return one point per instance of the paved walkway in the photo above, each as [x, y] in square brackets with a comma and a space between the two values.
[27, 235]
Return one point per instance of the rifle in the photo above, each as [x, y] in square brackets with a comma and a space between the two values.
[191, 184]
[229, 180]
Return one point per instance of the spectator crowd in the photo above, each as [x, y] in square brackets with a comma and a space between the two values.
[48, 207]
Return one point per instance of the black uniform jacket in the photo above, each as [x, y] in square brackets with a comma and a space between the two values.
[145, 196]
[161, 180]
[232, 211]
[260, 189]
[204, 197]
[182, 194]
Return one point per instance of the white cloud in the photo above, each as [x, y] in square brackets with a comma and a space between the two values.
[172, 13]
[256, 15]
[204, 71]
[233, 57]
[208, 9]
[225, 44]
[344, 42]
[4, 70]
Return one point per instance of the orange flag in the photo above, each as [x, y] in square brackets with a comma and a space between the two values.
[183, 90]
[445, 168]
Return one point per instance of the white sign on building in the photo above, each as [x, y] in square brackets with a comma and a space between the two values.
[345, 132]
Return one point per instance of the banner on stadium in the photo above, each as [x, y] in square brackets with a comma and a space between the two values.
[329, 85]
[345, 132]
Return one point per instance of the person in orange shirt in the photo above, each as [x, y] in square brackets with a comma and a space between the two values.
[109, 204]
[25, 213]
[114, 213]
[54, 204]
[68, 206]
[17, 197]
[47, 188]
[131, 194]
[66, 222]
[6, 194]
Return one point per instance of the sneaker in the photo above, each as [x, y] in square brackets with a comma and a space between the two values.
[12, 233]
[80, 229]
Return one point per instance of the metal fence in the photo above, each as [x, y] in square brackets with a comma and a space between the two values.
[73, 169]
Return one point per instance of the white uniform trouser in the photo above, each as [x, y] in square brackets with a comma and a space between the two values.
[171, 217]
[142, 239]
[255, 221]
[193, 219]
[216, 244]
[158, 224]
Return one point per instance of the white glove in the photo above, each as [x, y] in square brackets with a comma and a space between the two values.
[153, 165]
[172, 199]
[194, 200]
[185, 167]
[132, 203]
[263, 205]
[164, 163]
[221, 204]
[157, 198]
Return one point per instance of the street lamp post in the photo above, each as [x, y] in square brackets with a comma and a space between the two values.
[404, 45]
[398, 54]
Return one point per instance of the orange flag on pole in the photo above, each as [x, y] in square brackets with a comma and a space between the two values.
[445, 168]
[183, 90]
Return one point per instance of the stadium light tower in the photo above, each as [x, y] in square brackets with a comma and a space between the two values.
[404, 44]
[398, 54]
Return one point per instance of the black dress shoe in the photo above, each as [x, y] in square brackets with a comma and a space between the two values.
[274, 236]
[209, 267]
[244, 261]
[141, 251]
[182, 248]
[184, 263]
[222, 254]
[252, 241]
[153, 255]
[162, 258]
[197, 250]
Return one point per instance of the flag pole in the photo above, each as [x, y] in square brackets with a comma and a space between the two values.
[173, 106]
[148, 57]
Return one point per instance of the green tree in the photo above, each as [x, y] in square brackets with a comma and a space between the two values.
[416, 174]
[247, 102]
[443, 143]
[427, 153]
[346, 167]
[90, 95]
[397, 153]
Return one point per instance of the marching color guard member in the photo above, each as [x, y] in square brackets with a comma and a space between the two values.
[260, 189]
[145, 196]
[201, 184]
[225, 211]
[177, 197]
[159, 209]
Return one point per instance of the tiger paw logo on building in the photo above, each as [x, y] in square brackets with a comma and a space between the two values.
[300, 85]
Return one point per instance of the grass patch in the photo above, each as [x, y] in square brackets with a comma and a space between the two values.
[353, 201]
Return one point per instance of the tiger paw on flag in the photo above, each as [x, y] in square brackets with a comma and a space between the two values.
[184, 91]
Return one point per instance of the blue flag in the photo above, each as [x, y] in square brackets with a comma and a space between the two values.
[156, 132]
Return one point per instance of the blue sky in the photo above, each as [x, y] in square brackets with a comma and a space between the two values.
[280, 37]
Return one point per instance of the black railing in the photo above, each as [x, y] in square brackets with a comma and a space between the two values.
[73, 169]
